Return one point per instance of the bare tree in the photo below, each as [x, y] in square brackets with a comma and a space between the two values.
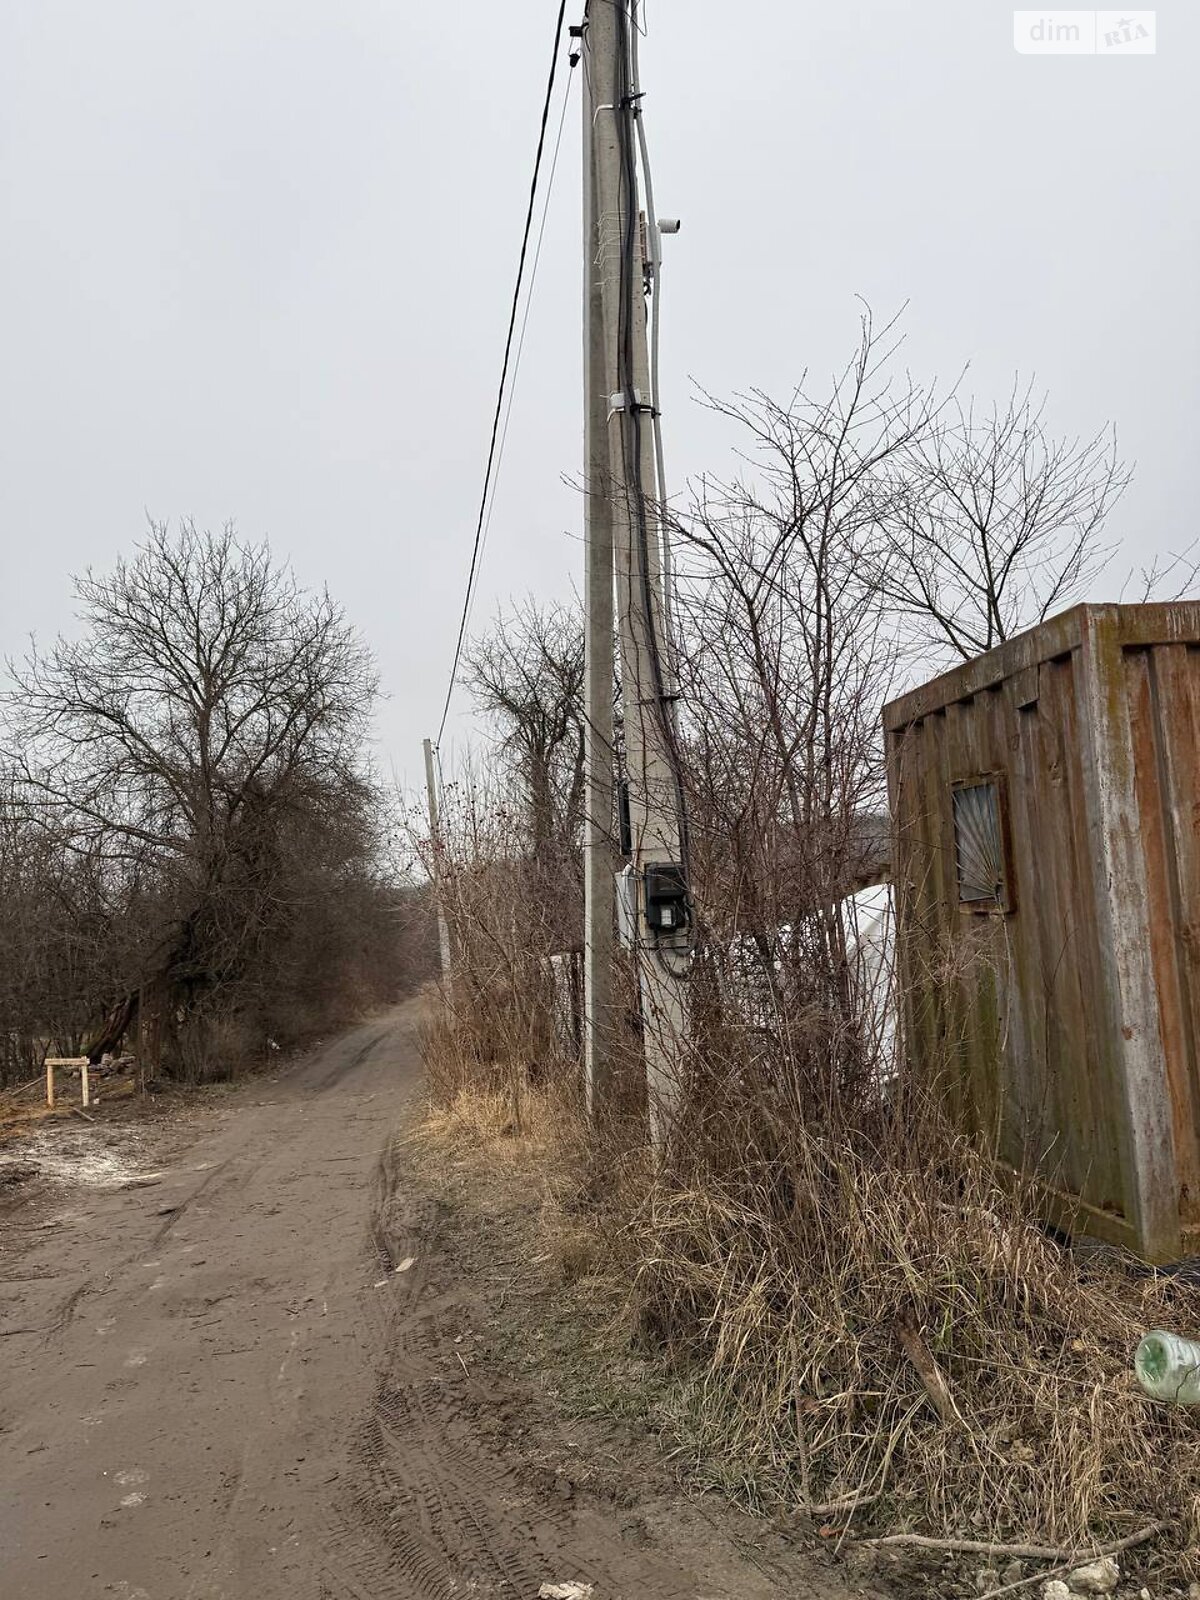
[990, 524]
[209, 716]
[203, 679]
[528, 673]
[62, 950]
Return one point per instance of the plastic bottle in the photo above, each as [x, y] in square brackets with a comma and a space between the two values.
[1168, 1367]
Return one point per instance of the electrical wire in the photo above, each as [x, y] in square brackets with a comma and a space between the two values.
[508, 345]
[516, 366]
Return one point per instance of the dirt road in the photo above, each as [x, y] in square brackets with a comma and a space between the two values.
[227, 1383]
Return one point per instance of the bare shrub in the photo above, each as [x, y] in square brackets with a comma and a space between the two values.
[785, 659]
[504, 911]
[62, 950]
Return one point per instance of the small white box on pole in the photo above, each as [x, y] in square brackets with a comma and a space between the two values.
[627, 896]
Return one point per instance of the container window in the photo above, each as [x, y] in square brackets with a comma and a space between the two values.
[979, 847]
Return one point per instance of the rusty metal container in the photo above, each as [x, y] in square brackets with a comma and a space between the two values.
[1046, 806]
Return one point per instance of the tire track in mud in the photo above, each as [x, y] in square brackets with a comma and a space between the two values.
[337, 1065]
[175, 1213]
[64, 1314]
[428, 1509]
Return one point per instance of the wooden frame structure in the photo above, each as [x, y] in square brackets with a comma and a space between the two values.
[82, 1062]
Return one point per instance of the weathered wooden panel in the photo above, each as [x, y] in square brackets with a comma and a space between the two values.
[1178, 669]
[1062, 1019]
[1071, 962]
[1160, 694]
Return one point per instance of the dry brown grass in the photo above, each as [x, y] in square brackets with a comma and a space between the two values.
[509, 1131]
[771, 1265]
[784, 1301]
[486, 1121]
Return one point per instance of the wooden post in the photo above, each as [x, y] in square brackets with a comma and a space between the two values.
[50, 1084]
[83, 1079]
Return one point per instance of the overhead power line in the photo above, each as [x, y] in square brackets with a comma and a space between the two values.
[516, 361]
[508, 345]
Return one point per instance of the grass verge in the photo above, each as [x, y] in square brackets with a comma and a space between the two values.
[865, 1329]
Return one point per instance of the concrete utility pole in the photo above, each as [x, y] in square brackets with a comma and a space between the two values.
[599, 856]
[435, 837]
[620, 462]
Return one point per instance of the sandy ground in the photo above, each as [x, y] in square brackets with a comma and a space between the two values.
[231, 1368]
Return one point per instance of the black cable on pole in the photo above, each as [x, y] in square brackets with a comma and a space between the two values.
[508, 343]
[631, 421]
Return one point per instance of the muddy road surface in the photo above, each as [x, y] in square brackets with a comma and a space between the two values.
[238, 1375]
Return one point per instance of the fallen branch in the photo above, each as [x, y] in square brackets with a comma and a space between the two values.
[834, 1508]
[1028, 1552]
[970, 1547]
[930, 1374]
[1113, 1549]
[30, 1083]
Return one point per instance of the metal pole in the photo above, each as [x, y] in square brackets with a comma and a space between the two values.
[435, 837]
[654, 801]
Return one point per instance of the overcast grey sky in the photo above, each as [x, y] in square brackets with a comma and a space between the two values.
[258, 256]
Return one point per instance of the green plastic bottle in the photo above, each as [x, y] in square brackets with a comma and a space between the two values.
[1168, 1367]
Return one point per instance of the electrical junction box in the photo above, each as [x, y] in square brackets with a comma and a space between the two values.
[666, 902]
[666, 899]
[616, 402]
